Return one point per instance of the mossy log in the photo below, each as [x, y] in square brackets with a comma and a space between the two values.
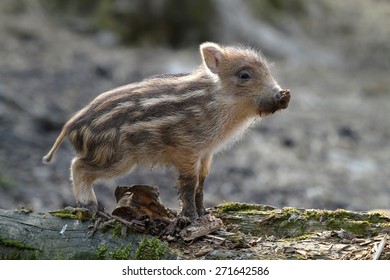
[251, 232]
[262, 220]
[25, 234]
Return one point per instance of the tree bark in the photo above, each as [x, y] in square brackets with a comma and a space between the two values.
[251, 232]
[30, 235]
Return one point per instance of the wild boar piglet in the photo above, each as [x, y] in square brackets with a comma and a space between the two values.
[178, 120]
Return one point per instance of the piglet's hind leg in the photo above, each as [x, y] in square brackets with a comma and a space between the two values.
[82, 180]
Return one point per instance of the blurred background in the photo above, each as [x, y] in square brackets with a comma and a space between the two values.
[330, 149]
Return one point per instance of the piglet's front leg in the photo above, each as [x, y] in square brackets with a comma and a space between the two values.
[204, 171]
[187, 185]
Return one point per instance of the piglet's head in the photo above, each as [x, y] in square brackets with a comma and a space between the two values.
[244, 74]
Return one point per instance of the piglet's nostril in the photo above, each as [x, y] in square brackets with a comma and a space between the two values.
[283, 94]
[285, 91]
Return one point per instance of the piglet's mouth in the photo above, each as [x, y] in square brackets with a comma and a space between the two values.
[280, 102]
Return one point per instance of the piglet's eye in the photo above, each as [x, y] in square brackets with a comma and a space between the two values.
[243, 75]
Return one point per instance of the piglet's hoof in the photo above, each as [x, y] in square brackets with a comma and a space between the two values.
[200, 227]
[91, 208]
[172, 230]
[190, 215]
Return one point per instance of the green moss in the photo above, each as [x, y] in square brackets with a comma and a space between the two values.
[101, 252]
[291, 211]
[31, 255]
[64, 215]
[293, 223]
[290, 225]
[244, 207]
[354, 222]
[355, 227]
[122, 253]
[151, 249]
[15, 244]
[117, 230]
[299, 238]
[378, 217]
[73, 214]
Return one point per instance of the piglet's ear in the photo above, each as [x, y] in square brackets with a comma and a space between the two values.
[212, 55]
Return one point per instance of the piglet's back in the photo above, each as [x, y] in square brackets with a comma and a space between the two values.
[146, 119]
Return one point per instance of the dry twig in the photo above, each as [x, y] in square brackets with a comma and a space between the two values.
[380, 248]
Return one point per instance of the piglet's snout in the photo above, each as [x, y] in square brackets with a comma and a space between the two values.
[283, 98]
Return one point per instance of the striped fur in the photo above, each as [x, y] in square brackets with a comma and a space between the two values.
[179, 120]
